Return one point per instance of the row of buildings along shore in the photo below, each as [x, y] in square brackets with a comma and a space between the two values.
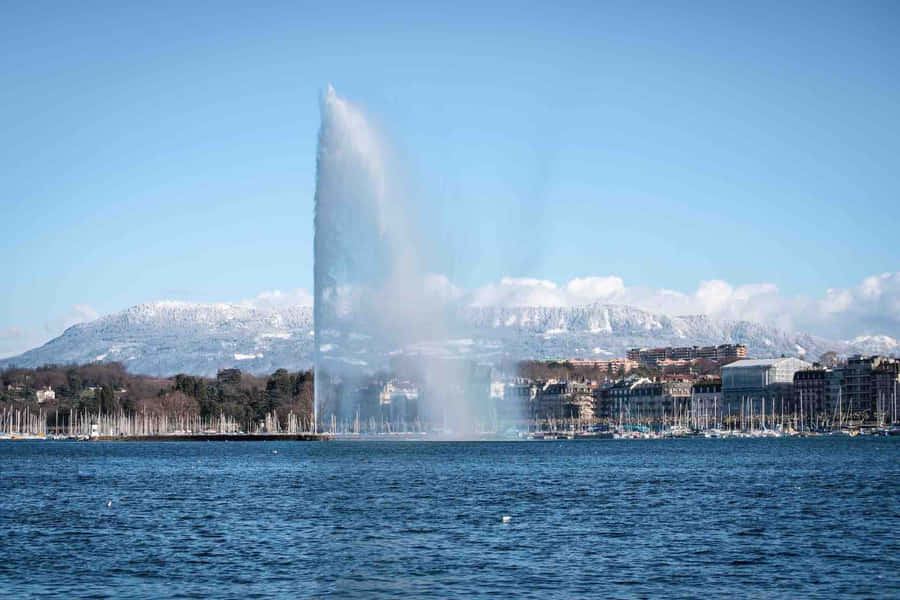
[859, 391]
[661, 387]
[692, 388]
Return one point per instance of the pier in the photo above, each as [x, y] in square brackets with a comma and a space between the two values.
[217, 437]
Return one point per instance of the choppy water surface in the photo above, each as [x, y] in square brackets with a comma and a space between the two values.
[681, 518]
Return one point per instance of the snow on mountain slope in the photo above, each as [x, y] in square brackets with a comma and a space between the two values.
[877, 344]
[164, 338]
[604, 330]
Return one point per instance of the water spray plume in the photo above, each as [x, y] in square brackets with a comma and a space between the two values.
[375, 305]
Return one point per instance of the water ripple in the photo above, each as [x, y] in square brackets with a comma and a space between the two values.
[781, 518]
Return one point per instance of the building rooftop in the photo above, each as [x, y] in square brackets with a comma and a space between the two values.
[761, 362]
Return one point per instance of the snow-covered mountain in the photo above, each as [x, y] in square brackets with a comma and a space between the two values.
[164, 338]
[600, 330]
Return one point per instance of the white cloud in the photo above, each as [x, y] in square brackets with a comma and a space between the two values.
[519, 291]
[440, 287]
[872, 307]
[277, 298]
[596, 288]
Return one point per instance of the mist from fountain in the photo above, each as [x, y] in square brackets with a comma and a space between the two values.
[372, 299]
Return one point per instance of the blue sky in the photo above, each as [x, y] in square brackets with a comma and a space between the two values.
[167, 150]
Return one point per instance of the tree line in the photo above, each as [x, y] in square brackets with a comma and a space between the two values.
[108, 388]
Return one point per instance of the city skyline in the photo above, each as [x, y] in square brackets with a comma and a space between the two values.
[716, 160]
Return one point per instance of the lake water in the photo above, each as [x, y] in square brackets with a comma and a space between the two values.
[681, 518]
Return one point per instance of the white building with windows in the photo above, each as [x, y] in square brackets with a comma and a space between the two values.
[753, 381]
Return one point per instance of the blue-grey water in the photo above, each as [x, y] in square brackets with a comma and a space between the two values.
[681, 518]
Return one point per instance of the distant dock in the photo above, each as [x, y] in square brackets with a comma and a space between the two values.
[217, 437]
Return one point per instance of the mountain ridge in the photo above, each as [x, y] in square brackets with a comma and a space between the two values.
[168, 337]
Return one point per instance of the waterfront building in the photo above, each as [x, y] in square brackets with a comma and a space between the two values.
[862, 390]
[660, 402]
[614, 402]
[834, 384]
[706, 403]
[818, 391]
[564, 400]
[370, 413]
[517, 400]
[886, 385]
[809, 392]
[868, 381]
[603, 400]
[399, 403]
[641, 400]
[759, 385]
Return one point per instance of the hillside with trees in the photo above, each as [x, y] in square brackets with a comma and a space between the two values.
[56, 392]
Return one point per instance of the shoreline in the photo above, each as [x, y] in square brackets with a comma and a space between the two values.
[217, 437]
[209, 437]
[324, 437]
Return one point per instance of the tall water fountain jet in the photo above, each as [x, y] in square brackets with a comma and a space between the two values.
[367, 282]
[373, 305]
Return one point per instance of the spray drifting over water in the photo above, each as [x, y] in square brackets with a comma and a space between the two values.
[373, 309]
